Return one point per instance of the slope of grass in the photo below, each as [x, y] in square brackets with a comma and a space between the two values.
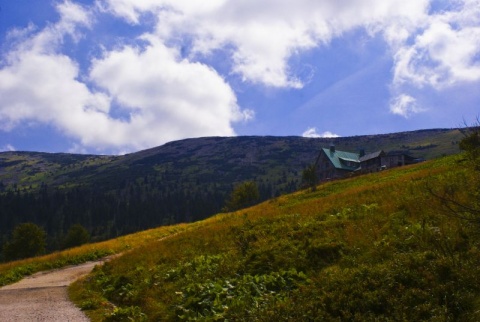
[375, 247]
[14, 271]
[181, 181]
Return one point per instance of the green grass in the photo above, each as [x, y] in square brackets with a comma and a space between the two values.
[374, 247]
[14, 271]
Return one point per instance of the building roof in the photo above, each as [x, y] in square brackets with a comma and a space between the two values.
[336, 157]
[372, 155]
[352, 161]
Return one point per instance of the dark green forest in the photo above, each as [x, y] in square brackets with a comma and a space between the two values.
[106, 214]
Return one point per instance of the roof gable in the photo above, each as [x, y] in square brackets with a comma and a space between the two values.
[372, 155]
[343, 160]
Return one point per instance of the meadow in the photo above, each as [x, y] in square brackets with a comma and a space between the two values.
[14, 271]
[388, 246]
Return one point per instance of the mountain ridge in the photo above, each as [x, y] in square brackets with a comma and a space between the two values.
[426, 147]
[180, 181]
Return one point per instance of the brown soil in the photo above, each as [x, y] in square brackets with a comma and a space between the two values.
[43, 296]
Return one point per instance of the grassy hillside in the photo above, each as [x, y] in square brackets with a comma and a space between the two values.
[375, 247]
[181, 181]
[13, 271]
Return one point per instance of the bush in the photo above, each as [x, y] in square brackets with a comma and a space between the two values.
[244, 195]
[77, 235]
[28, 240]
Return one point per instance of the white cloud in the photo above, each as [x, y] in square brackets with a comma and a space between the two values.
[164, 93]
[7, 148]
[73, 14]
[441, 52]
[164, 96]
[445, 51]
[265, 35]
[50, 39]
[430, 46]
[312, 133]
[405, 105]
[39, 84]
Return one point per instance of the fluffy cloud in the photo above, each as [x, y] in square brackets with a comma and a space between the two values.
[441, 52]
[312, 133]
[433, 44]
[265, 35]
[42, 87]
[159, 95]
[39, 84]
[166, 96]
[7, 147]
[154, 88]
[444, 51]
[405, 105]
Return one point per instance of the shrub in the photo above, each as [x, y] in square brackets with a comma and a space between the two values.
[77, 235]
[28, 240]
[244, 195]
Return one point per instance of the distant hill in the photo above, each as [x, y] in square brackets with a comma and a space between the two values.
[233, 158]
[180, 181]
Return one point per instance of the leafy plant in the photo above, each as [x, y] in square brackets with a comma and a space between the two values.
[237, 297]
[131, 313]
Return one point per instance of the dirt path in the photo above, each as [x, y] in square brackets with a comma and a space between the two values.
[43, 296]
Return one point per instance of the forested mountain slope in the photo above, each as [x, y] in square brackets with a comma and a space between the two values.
[180, 181]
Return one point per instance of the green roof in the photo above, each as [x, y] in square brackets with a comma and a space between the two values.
[337, 157]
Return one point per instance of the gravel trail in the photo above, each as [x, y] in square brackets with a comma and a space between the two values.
[43, 296]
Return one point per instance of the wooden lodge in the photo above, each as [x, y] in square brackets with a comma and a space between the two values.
[334, 164]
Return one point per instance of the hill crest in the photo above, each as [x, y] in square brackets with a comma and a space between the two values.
[180, 181]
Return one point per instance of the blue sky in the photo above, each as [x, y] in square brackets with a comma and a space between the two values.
[116, 76]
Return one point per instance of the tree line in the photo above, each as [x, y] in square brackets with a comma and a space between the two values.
[108, 214]
[29, 239]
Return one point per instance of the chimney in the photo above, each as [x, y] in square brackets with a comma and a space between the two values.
[362, 152]
[332, 148]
